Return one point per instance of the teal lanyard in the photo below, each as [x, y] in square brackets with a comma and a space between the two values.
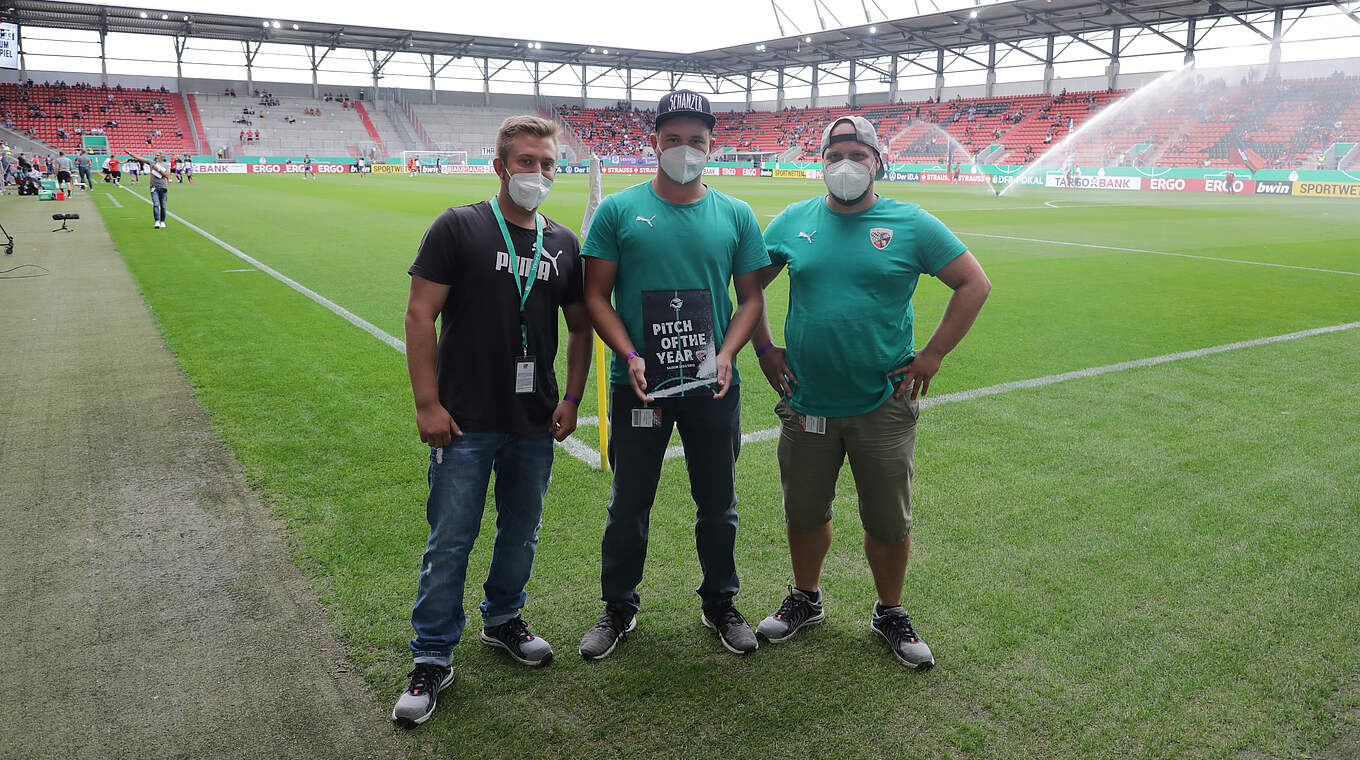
[527, 285]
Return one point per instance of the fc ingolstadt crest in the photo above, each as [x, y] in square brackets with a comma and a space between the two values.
[880, 237]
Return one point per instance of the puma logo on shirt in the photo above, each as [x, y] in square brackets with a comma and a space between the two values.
[647, 220]
[552, 259]
[523, 265]
[807, 235]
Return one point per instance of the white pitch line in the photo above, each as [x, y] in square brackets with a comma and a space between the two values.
[1158, 253]
[115, 200]
[1038, 382]
[590, 457]
[572, 446]
[334, 307]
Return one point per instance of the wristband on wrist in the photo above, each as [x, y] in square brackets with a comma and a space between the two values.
[571, 398]
[630, 356]
[764, 348]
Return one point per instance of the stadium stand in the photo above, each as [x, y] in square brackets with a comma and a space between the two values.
[1286, 122]
[469, 128]
[288, 126]
[60, 114]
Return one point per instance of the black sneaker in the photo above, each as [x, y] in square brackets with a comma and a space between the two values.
[733, 630]
[894, 626]
[513, 636]
[796, 611]
[613, 627]
[416, 704]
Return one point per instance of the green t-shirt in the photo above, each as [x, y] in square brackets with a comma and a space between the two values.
[851, 279]
[664, 246]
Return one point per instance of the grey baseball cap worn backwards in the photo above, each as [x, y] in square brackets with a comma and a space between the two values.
[685, 103]
[864, 133]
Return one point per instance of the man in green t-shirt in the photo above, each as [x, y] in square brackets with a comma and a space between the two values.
[666, 251]
[850, 378]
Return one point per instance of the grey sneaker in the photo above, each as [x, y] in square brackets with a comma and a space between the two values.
[796, 611]
[894, 626]
[416, 704]
[613, 627]
[733, 630]
[513, 636]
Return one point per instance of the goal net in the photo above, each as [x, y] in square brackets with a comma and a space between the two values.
[433, 158]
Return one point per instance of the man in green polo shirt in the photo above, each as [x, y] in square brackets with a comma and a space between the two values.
[659, 260]
[850, 379]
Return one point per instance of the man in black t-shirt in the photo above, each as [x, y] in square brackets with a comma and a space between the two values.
[494, 273]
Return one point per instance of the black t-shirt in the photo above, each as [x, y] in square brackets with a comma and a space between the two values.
[479, 333]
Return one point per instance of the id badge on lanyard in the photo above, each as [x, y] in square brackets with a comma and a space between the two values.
[525, 365]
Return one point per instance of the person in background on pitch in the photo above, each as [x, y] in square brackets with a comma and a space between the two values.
[495, 274]
[646, 243]
[64, 167]
[850, 380]
[159, 184]
[83, 164]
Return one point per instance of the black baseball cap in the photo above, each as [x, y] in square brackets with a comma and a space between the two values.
[685, 103]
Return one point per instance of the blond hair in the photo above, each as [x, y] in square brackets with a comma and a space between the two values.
[523, 125]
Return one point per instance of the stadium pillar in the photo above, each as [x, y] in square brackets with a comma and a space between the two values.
[939, 73]
[748, 91]
[779, 93]
[538, 89]
[434, 99]
[1048, 68]
[1112, 71]
[486, 81]
[1275, 38]
[991, 69]
[852, 89]
[816, 71]
[23, 64]
[892, 80]
[628, 86]
[103, 63]
[583, 85]
[1190, 40]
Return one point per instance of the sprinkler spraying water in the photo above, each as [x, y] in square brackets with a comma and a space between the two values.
[1126, 121]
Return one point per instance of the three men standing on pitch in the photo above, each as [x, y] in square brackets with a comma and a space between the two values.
[495, 273]
[850, 380]
[660, 257]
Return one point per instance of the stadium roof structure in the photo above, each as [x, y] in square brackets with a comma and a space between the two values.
[1004, 24]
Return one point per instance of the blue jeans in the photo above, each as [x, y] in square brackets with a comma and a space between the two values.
[458, 476]
[711, 432]
[158, 195]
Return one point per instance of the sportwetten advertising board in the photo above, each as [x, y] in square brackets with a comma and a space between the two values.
[1328, 189]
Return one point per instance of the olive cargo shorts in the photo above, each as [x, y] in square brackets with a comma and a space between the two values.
[880, 445]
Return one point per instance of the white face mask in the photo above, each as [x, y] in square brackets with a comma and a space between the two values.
[529, 189]
[683, 163]
[848, 180]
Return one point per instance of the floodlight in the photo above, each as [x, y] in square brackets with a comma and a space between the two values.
[592, 50]
[972, 14]
[164, 16]
[807, 39]
[143, 14]
[873, 30]
[276, 25]
[295, 27]
[605, 51]
[266, 25]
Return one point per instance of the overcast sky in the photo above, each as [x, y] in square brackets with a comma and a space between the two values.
[684, 28]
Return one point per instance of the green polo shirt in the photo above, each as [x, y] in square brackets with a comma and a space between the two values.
[851, 280]
[661, 246]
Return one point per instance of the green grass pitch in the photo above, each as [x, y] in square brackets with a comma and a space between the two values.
[1158, 562]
